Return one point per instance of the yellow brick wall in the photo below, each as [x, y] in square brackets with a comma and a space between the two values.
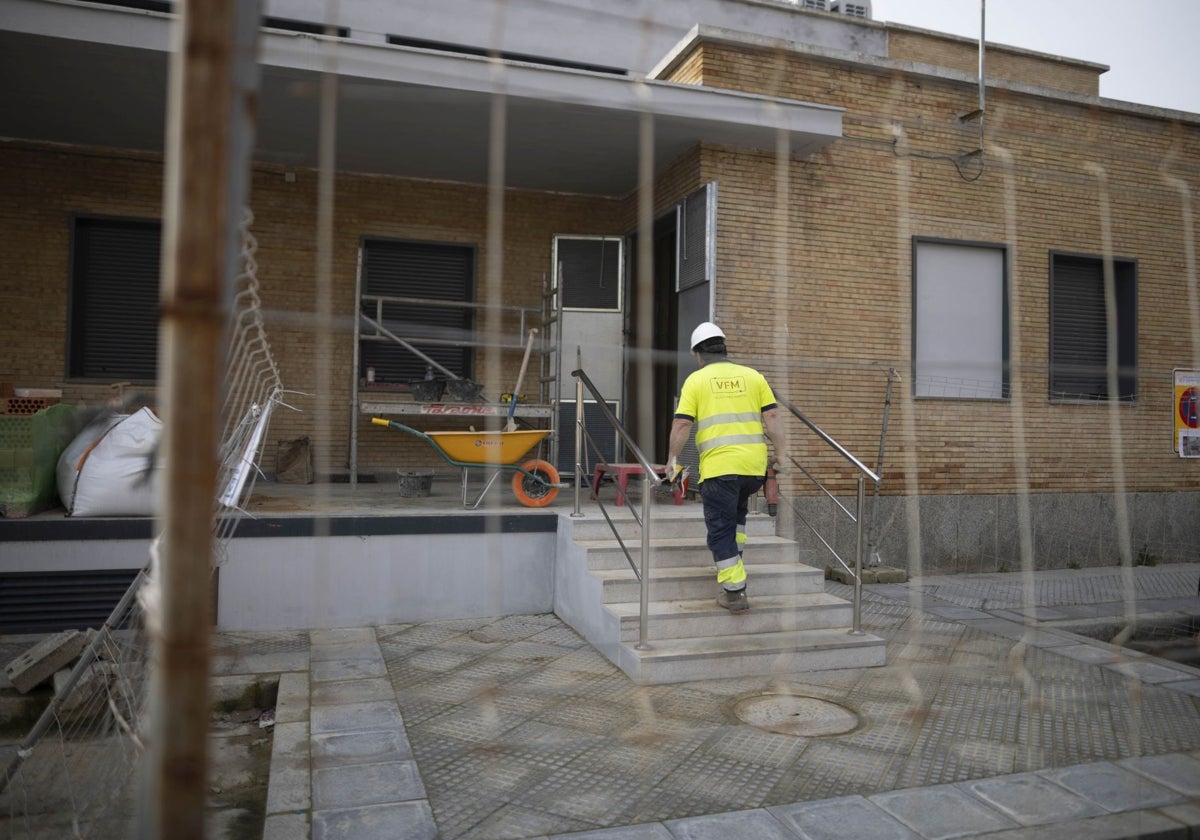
[816, 288]
[1045, 71]
[45, 187]
[834, 313]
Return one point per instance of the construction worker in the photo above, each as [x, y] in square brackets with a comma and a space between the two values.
[731, 407]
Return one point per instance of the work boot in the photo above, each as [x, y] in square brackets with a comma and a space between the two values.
[733, 601]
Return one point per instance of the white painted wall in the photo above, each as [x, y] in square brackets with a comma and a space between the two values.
[286, 583]
[73, 555]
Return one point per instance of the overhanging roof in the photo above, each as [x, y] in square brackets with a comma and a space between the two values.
[94, 75]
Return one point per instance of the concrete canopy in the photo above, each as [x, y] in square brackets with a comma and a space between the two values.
[96, 75]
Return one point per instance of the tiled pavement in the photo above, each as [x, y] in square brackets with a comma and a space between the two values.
[980, 725]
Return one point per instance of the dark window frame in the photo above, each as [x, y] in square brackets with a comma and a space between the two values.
[599, 291]
[392, 363]
[137, 332]
[1067, 378]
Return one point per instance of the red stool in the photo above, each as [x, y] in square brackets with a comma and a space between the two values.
[621, 474]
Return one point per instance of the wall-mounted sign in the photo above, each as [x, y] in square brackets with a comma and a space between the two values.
[1187, 413]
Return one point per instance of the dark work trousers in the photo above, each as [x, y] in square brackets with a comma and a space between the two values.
[726, 501]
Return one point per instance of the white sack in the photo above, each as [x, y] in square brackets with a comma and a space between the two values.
[109, 469]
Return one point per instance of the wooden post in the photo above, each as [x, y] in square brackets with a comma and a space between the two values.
[205, 159]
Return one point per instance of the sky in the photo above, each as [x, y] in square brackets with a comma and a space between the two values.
[1152, 47]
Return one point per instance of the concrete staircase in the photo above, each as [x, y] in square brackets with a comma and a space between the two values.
[792, 625]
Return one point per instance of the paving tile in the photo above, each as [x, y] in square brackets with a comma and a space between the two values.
[288, 786]
[1175, 770]
[343, 748]
[359, 650]
[942, 812]
[514, 821]
[1018, 632]
[366, 784]
[351, 717]
[1150, 672]
[340, 692]
[261, 663]
[1113, 788]
[645, 831]
[1131, 824]
[1038, 614]
[957, 613]
[341, 636]
[408, 820]
[751, 825]
[1191, 687]
[1029, 799]
[347, 669]
[1188, 814]
[291, 700]
[841, 818]
[1091, 654]
[286, 827]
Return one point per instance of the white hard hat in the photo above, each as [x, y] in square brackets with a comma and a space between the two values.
[704, 332]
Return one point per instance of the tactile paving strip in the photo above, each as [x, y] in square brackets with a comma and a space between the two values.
[522, 728]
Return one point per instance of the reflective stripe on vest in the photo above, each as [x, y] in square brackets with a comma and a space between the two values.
[734, 429]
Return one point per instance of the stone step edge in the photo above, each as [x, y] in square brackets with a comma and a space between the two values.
[753, 644]
[629, 611]
[669, 573]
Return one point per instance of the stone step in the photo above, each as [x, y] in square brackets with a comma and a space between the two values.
[691, 583]
[702, 616]
[685, 524]
[721, 657]
[684, 551]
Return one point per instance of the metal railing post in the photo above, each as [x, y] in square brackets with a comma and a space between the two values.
[578, 442]
[649, 477]
[644, 606]
[856, 625]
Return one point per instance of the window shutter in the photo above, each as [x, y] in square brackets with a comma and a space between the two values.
[591, 273]
[114, 305]
[419, 270]
[696, 239]
[1078, 341]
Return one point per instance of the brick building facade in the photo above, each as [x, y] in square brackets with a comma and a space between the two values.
[816, 266]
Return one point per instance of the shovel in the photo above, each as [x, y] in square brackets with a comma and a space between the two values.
[511, 426]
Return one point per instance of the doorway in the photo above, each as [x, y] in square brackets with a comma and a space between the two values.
[681, 295]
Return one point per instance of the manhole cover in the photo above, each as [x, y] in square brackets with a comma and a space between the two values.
[787, 714]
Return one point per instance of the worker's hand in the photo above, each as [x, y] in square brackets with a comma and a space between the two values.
[673, 471]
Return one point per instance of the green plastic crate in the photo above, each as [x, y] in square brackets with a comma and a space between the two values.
[29, 449]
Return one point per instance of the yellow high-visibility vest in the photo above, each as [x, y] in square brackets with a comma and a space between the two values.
[726, 402]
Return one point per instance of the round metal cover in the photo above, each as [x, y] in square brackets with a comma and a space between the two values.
[787, 714]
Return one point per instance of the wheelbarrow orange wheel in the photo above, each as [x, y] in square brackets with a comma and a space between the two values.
[529, 490]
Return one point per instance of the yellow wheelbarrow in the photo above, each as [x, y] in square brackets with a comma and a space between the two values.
[535, 483]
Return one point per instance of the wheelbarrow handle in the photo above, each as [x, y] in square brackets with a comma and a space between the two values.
[380, 421]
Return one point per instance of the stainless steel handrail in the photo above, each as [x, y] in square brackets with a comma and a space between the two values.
[648, 479]
[865, 472]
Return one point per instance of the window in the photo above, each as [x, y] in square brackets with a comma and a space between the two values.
[424, 272]
[113, 313]
[1079, 328]
[960, 313]
[590, 272]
